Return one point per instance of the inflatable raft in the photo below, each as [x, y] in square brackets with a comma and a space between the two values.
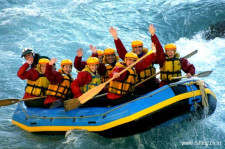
[177, 100]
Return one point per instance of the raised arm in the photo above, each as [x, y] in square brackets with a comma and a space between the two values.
[78, 64]
[94, 51]
[118, 43]
[30, 74]
[52, 75]
[160, 56]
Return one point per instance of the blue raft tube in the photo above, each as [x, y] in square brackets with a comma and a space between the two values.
[166, 104]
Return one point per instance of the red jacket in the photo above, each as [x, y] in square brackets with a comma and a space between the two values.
[121, 50]
[54, 77]
[30, 74]
[142, 65]
[80, 65]
[161, 58]
[82, 79]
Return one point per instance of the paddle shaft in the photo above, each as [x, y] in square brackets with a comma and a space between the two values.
[148, 78]
[202, 74]
[174, 78]
[6, 102]
[33, 98]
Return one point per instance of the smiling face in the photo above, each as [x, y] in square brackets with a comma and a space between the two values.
[138, 49]
[43, 68]
[110, 58]
[28, 55]
[67, 69]
[170, 53]
[129, 61]
[93, 67]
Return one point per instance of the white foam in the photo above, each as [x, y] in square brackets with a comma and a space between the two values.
[178, 2]
[207, 55]
[9, 15]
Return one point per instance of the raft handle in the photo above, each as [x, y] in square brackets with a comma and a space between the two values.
[92, 122]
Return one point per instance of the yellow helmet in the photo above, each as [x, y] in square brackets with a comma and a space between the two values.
[100, 52]
[171, 46]
[136, 43]
[43, 61]
[131, 55]
[109, 51]
[92, 60]
[66, 62]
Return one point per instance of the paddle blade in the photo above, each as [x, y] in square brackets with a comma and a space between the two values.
[7, 102]
[76, 102]
[71, 104]
[91, 93]
[191, 54]
[204, 74]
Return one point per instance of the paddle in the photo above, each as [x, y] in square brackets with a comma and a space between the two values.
[191, 54]
[6, 102]
[200, 75]
[76, 102]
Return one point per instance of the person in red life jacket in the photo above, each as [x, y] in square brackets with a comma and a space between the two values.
[124, 84]
[80, 65]
[37, 83]
[87, 78]
[170, 62]
[60, 82]
[137, 47]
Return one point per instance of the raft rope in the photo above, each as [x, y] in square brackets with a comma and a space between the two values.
[196, 105]
[103, 114]
[205, 102]
[24, 111]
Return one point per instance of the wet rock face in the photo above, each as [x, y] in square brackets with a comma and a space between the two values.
[215, 30]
